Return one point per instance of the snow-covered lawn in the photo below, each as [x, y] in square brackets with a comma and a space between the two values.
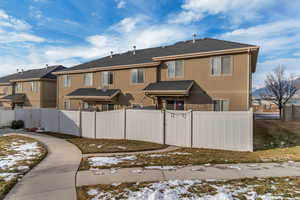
[17, 156]
[248, 189]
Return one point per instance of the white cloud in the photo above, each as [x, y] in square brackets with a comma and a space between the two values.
[122, 39]
[127, 24]
[121, 3]
[238, 10]
[11, 22]
[274, 38]
[15, 30]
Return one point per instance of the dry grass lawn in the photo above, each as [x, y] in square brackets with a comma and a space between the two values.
[108, 145]
[5, 142]
[278, 188]
[275, 141]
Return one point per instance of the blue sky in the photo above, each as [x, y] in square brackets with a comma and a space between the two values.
[34, 33]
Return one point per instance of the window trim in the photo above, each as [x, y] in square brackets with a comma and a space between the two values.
[213, 105]
[137, 75]
[34, 86]
[176, 77]
[107, 107]
[109, 84]
[19, 87]
[69, 80]
[91, 83]
[211, 66]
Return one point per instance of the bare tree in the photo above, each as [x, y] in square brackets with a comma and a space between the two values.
[279, 87]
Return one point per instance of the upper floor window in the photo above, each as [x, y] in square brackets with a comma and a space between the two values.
[34, 86]
[107, 78]
[88, 79]
[137, 76]
[221, 65]
[67, 81]
[175, 68]
[221, 105]
[19, 87]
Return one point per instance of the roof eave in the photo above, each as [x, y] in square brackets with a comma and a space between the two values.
[208, 53]
[96, 69]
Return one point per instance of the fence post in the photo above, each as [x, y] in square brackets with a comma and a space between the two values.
[80, 124]
[125, 121]
[95, 126]
[192, 129]
[164, 126]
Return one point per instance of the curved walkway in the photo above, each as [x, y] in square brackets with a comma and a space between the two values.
[54, 177]
[200, 172]
[169, 148]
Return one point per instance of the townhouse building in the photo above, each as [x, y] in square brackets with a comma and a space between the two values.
[200, 74]
[34, 88]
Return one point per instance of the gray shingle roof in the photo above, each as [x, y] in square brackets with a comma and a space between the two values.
[34, 73]
[93, 92]
[146, 55]
[170, 85]
[14, 97]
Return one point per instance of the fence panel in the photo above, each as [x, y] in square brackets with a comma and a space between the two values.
[6, 117]
[178, 128]
[31, 117]
[70, 122]
[223, 130]
[145, 125]
[110, 124]
[88, 124]
[50, 120]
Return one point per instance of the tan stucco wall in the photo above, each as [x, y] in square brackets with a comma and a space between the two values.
[32, 99]
[232, 87]
[130, 93]
[4, 91]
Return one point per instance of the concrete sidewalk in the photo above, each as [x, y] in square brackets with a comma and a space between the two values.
[200, 172]
[54, 177]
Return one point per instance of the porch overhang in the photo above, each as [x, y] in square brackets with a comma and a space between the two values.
[14, 98]
[93, 94]
[179, 88]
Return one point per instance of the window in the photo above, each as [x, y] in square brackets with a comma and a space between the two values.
[67, 81]
[86, 106]
[19, 87]
[137, 76]
[108, 107]
[175, 68]
[88, 79]
[221, 65]
[67, 105]
[107, 78]
[34, 86]
[175, 105]
[221, 105]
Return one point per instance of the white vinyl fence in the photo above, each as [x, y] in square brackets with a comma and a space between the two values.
[6, 117]
[145, 125]
[213, 130]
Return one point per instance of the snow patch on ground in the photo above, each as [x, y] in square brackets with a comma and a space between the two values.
[162, 167]
[108, 161]
[177, 189]
[27, 151]
[8, 176]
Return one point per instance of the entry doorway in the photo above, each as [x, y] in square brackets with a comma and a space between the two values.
[175, 105]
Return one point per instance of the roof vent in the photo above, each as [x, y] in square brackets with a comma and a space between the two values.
[134, 48]
[111, 54]
[194, 37]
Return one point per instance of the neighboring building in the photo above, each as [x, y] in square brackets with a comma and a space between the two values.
[33, 88]
[203, 74]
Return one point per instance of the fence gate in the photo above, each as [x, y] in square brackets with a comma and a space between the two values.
[178, 128]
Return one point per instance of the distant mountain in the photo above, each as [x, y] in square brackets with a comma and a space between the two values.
[258, 92]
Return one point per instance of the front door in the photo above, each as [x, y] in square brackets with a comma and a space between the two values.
[175, 105]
